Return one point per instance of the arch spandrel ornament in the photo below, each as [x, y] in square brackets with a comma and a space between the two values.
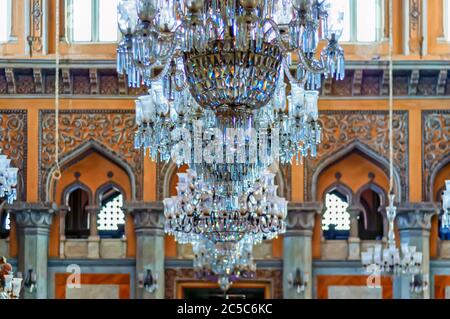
[435, 148]
[366, 132]
[13, 143]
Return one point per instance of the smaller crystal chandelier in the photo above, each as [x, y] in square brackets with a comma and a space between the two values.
[390, 259]
[445, 221]
[224, 262]
[8, 180]
[223, 214]
[10, 286]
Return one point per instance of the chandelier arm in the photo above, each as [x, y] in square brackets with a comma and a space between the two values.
[287, 71]
[308, 63]
[278, 38]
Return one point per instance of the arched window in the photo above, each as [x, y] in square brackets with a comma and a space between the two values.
[336, 219]
[370, 222]
[77, 218]
[92, 20]
[5, 225]
[443, 233]
[5, 20]
[447, 20]
[111, 218]
[362, 21]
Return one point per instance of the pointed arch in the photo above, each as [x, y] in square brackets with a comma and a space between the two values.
[370, 154]
[104, 187]
[430, 191]
[85, 149]
[73, 187]
[383, 201]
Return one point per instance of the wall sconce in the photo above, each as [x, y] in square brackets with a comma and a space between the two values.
[30, 281]
[418, 283]
[148, 282]
[299, 281]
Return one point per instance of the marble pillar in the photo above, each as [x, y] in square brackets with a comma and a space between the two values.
[297, 246]
[33, 221]
[414, 225]
[354, 249]
[63, 210]
[149, 227]
[94, 238]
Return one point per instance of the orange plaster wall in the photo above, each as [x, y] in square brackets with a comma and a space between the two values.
[122, 280]
[93, 169]
[440, 283]
[324, 281]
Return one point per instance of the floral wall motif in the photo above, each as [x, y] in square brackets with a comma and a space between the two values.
[13, 143]
[370, 128]
[113, 129]
[173, 275]
[435, 146]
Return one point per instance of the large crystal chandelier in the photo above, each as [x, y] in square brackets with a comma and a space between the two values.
[223, 64]
[390, 259]
[217, 74]
[224, 262]
[8, 180]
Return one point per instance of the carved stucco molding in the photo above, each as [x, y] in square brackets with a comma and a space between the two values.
[110, 132]
[435, 148]
[13, 143]
[367, 132]
[415, 216]
[148, 217]
[363, 78]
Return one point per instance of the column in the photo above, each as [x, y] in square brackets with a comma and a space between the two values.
[297, 246]
[414, 225]
[33, 221]
[148, 220]
[94, 238]
[62, 230]
[353, 239]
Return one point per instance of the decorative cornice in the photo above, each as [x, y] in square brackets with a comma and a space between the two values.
[148, 217]
[416, 216]
[32, 215]
[301, 217]
[412, 79]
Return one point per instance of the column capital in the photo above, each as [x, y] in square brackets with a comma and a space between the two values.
[301, 217]
[354, 210]
[416, 216]
[33, 215]
[148, 217]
